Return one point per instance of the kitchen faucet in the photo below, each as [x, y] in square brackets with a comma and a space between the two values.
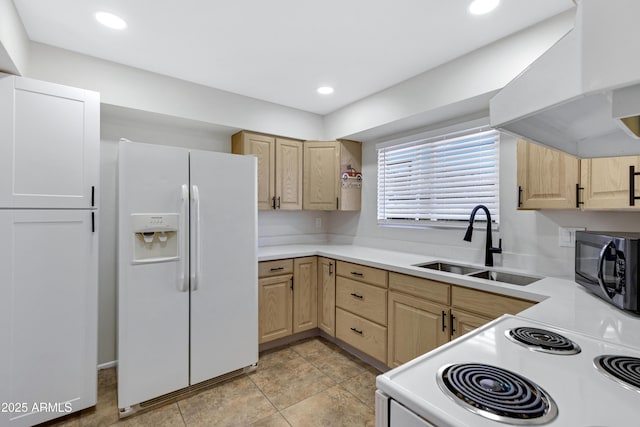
[488, 249]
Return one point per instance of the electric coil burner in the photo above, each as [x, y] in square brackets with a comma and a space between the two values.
[497, 394]
[542, 340]
[622, 369]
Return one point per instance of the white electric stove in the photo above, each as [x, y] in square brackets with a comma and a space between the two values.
[492, 377]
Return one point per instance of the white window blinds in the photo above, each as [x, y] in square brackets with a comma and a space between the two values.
[438, 180]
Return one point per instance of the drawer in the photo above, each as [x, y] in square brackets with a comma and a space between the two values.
[486, 303]
[419, 287]
[373, 276]
[362, 334]
[275, 268]
[362, 299]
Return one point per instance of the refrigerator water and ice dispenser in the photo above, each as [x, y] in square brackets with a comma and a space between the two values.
[155, 237]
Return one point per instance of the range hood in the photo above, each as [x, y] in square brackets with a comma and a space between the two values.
[582, 96]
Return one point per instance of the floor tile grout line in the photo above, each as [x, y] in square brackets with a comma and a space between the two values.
[263, 393]
[181, 415]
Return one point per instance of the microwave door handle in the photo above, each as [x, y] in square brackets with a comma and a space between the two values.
[603, 285]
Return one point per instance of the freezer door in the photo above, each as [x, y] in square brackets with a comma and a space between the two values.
[48, 314]
[224, 286]
[153, 303]
[49, 145]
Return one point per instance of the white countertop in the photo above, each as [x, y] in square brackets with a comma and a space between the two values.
[562, 303]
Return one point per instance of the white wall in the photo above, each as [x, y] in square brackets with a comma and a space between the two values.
[529, 238]
[14, 42]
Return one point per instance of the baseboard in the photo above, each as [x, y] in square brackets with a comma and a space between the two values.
[108, 365]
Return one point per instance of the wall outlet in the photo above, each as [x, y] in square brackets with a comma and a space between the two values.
[567, 236]
[318, 223]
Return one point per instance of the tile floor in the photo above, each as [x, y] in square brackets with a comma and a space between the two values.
[307, 383]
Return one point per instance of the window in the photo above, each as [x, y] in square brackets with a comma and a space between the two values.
[437, 181]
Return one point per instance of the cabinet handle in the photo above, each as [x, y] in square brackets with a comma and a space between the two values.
[578, 202]
[93, 196]
[273, 202]
[278, 203]
[276, 268]
[632, 185]
[337, 204]
[93, 222]
[291, 280]
[356, 331]
[356, 295]
[519, 195]
[444, 315]
[330, 268]
[355, 273]
[452, 318]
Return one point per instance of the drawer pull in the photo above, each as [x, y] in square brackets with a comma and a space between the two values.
[355, 273]
[356, 331]
[277, 268]
[356, 295]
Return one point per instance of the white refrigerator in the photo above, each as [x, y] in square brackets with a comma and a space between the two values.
[187, 269]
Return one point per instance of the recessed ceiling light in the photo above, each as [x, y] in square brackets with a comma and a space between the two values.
[480, 7]
[110, 20]
[325, 90]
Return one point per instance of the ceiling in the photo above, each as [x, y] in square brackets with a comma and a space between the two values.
[282, 50]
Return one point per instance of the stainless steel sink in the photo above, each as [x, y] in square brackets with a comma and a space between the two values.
[450, 268]
[496, 276]
[512, 279]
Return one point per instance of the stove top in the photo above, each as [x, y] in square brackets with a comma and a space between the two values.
[556, 390]
[496, 393]
[542, 340]
[621, 369]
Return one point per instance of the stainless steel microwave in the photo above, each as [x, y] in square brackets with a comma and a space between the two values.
[607, 265]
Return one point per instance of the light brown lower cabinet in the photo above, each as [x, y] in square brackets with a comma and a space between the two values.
[389, 316]
[287, 297]
[415, 326]
[463, 322]
[327, 295]
[275, 307]
[305, 294]
[362, 334]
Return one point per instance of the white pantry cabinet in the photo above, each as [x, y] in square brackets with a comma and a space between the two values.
[48, 313]
[49, 171]
[49, 145]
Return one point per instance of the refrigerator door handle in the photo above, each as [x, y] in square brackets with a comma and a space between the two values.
[183, 277]
[195, 238]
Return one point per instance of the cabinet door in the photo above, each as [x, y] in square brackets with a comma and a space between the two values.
[288, 174]
[275, 303]
[606, 182]
[321, 175]
[463, 322]
[327, 295]
[49, 145]
[48, 311]
[305, 294]
[263, 147]
[416, 326]
[547, 178]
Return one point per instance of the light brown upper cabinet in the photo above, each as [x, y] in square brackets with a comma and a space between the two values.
[607, 182]
[332, 175]
[547, 178]
[279, 168]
